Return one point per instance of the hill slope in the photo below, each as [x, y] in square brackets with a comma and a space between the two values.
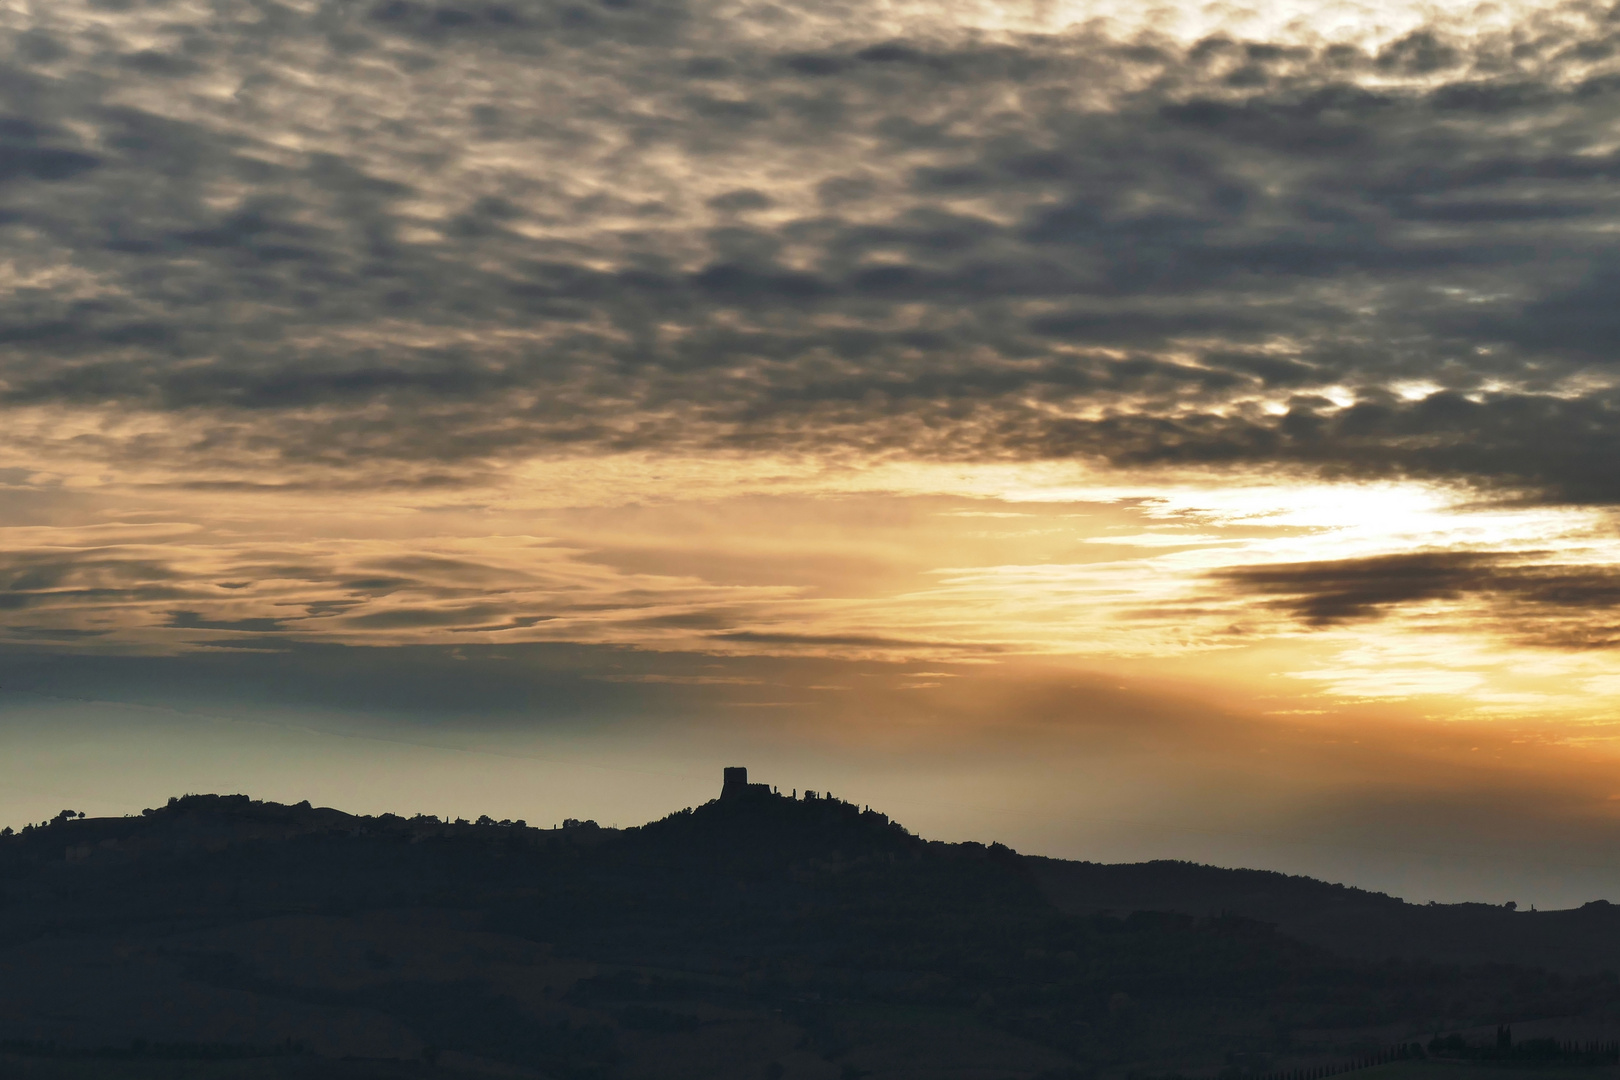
[752, 936]
[1348, 921]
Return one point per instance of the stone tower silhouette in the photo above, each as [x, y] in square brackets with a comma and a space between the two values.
[738, 787]
[736, 782]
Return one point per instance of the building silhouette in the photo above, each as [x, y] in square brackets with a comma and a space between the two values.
[736, 785]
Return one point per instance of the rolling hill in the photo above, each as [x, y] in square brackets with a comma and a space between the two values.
[753, 936]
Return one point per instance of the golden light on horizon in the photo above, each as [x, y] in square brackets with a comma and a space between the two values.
[909, 562]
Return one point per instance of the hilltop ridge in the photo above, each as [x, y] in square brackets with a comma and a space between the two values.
[752, 827]
[754, 934]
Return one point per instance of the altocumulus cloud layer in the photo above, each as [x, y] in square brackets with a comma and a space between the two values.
[398, 241]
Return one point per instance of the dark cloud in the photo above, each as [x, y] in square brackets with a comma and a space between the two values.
[670, 234]
[1323, 593]
[191, 620]
[41, 582]
[1570, 606]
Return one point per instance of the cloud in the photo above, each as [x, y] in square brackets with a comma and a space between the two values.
[160, 589]
[1323, 593]
[388, 241]
[1531, 599]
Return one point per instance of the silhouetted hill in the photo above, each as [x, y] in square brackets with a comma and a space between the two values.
[1174, 885]
[753, 936]
[1351, 922]
[767, 830]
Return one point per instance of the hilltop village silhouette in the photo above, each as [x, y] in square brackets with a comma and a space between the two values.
[759, 934]
[734, 785]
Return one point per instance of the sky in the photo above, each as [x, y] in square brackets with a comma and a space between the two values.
[1120, 431]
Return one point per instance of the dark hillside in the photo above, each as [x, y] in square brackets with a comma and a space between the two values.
[1173, 885]
[753, 936]
[1348, 921]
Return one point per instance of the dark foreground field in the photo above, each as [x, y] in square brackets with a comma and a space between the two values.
[753, 937]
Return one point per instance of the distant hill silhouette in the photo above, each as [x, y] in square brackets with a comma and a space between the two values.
[753, 936]
[1349, 921]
